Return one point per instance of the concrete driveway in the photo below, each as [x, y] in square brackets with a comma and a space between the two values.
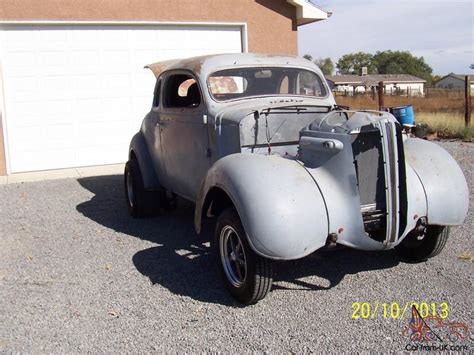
[77, 274]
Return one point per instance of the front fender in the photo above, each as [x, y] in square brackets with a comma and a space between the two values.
[279, 204]
[447, 194]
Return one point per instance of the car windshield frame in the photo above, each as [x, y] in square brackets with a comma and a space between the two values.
[228, 70]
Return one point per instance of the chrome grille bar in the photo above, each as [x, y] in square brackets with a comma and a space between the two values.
[392, 183]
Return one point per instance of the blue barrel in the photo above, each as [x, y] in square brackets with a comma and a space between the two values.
[404, 114]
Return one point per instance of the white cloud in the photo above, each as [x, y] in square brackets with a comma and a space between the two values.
[440, 31]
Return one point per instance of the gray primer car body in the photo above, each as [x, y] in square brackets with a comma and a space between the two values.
[316, 178]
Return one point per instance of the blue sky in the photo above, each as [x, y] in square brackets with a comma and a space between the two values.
[440, 31]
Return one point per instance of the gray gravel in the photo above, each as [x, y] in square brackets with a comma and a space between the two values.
[77, 274]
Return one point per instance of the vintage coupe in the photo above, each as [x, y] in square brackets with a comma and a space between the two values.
[258, 142]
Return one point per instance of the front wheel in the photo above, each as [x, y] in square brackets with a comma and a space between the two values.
[247, 275]
[430, 245]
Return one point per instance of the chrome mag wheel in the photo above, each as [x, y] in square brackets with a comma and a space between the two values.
[233, 256]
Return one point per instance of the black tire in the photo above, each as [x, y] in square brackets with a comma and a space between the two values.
[431, 245]
[252, 280]
[169, 201]
[140, 203]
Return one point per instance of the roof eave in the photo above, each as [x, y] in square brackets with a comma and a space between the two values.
[308, 13]
[404, 81]
[385, 81]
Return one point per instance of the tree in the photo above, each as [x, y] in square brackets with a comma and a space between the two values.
[354, 62]
[435, 78]
[326, 65]
[389, 62]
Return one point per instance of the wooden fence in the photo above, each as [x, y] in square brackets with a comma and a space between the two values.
[434, 100]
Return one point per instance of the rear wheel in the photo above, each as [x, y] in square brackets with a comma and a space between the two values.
[140, 203]
[247, 275]
[169, 200]
[431, 244]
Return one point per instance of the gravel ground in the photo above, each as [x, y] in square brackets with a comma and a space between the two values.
[77, 274]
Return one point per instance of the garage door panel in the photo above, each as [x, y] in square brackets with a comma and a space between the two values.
[88, 156]
[139, 54]
[22, 36]
[60, 134]
[23, 87]
[144, 38]
[88, 107]
[51, 36]
[86, 36]
[85, 58]
[93, 109]
[38, 112]
[22, 58]
[87, 86]
[54, 58]
[32, 119]
[113, 60]
[49, 107]
[116, 106]
[114, 38]
[97, 133]
[35, 160]
[75, 95]
[140, 102]
[116, 81]
[27, 138]
[53, 87]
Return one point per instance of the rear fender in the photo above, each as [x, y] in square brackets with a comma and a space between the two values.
[139, 150]
[279, 204]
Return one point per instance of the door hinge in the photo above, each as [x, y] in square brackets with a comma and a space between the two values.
[208, 152]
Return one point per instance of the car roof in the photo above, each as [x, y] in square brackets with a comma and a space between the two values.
[205, 65]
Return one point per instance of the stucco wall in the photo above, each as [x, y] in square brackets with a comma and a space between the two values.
[271, 23]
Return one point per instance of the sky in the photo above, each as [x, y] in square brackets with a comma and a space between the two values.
[440, 31]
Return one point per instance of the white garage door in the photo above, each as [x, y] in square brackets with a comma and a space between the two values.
[75, 95]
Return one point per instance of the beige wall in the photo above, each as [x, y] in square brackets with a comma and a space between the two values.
[271, 23]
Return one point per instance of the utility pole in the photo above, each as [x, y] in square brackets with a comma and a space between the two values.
[467, 101]
[380, 89]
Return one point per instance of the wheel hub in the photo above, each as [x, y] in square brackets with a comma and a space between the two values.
[233, 256]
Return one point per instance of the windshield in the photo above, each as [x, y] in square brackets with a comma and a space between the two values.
[258, 81]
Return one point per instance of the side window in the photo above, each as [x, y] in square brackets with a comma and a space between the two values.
[181, 90]
[156, 95]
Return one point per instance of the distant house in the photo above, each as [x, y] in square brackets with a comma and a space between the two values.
[454, 82]
[393, 83]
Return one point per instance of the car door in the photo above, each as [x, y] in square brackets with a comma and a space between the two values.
[152, 133]
[184, 137]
